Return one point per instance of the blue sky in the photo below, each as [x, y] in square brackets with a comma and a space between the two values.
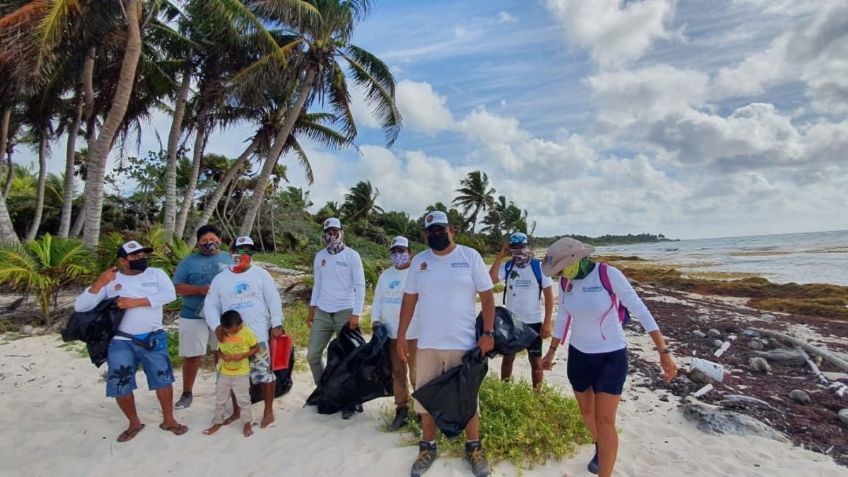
[687, 118]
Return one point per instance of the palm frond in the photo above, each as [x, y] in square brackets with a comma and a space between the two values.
[379, 83]
[303, 160]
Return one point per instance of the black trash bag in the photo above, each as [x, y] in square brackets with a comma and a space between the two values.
[96, 328]
[451, 399]
[365, 373]
[282, 385]
[338, 349]
[511, 334]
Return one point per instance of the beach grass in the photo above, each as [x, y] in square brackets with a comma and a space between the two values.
[517, 425]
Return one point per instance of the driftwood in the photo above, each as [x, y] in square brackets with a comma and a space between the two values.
[812, 365]
[740, 397]
[786, 357]
[830, 357]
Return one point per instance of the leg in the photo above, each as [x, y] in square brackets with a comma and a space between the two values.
[120, 383]
[127, 405]
[236, 411]
[538, 372]
[160, 378]
[260, 372]
[222, 394]
[320, 334]
[506, 366]
[190, 367]
[606, 406]
[268, 395]
[472, 429]
[241, 391]
[400, 386]
[428, 427]
[194, 337]
[412, 350]
[586, 402]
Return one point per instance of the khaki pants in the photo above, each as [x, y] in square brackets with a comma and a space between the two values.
[324, 326]
[401, 370]
[432, 363]
[240, 387]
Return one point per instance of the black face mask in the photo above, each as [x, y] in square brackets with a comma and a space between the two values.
[139, 265]
[438, 242]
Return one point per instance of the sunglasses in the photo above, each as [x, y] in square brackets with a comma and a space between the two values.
[245, 251]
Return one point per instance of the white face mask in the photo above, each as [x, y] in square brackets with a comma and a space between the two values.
[399, 259]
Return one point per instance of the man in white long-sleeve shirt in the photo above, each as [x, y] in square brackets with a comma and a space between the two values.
[142, 292]
[249, 290]
[338, 294]
[388, 295]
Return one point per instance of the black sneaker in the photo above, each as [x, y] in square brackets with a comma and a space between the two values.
[593, 464]
[184, 401]
[427, 453]
[348, 412]
[401, 418]
[475, 456]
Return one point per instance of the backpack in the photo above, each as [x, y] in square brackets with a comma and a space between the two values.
[603, 272]
[535, 264]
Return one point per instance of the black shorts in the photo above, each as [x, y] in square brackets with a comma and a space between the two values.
[535, 348]
[603, 372]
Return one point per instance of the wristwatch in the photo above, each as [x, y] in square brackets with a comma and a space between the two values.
[489, 333]
[665, 351]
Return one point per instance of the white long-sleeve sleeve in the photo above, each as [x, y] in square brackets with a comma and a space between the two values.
[377, 304]
[561, 320]
[212, 305]
[630, 299]
[316, 281]
[86, 300]
[358, 285]
[166, 294]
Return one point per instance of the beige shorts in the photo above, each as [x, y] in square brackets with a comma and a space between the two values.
[432, 363]
[195, 336]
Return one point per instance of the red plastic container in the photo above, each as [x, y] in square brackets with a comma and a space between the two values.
[281, 347]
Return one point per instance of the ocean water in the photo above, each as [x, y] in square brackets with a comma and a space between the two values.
[815, 257]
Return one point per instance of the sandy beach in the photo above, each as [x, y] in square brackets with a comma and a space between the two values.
[57, 421]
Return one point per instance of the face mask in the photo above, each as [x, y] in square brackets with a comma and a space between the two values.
[242, 262]
[399, 259]
[138, 265]
[334, 242]
[520, 256]
[572, 270]
[438, 242]
[209, 248]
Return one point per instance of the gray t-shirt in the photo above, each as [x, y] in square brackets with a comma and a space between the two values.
[199, 269]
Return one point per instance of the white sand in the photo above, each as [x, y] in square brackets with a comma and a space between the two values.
[55, 420]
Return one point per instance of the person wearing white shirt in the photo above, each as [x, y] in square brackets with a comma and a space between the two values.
[524, 288]
[249, 290]
[440, 291]
[597, 351]
[388, 295]
[338, 295]
[142, 291]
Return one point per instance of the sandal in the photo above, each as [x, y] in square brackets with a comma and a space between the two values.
[177, 430]
[128, 434]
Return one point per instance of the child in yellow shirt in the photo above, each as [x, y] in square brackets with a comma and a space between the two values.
[238, 345]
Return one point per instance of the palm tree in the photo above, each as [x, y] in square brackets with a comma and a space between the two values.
[316, 44]
[475, 195]
[361, 202]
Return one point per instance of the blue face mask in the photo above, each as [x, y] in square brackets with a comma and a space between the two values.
[209, 247]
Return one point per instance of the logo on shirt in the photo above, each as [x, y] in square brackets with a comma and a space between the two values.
[118, 287]
[460, 265]
[341, 264]
[594, 289]
[423, 267]
[241, 288]
[394, 284]
[323, 262]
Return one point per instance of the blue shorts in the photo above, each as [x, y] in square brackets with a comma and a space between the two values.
[603, 372]
[123, 360]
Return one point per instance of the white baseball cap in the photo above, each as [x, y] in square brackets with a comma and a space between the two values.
[399, 241]
[436, 217]
[132, 247]
[242, 241]
[332, 223]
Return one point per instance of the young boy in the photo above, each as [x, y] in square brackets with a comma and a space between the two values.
[238, 345]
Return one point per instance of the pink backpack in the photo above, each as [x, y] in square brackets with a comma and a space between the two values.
[623, 312]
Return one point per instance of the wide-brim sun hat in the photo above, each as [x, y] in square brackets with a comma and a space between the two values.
[563, 253]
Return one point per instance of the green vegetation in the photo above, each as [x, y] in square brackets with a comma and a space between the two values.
[607, 239]
[518, 425]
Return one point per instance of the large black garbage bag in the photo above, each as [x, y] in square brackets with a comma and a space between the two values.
[511, 334]
[365, 373]
[282, 385]
[451, 399]
[338, 349]
[96, 328]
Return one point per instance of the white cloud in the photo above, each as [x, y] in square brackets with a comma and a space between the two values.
[505, 17]
[614, 31]
[488, 128]
[422, 108]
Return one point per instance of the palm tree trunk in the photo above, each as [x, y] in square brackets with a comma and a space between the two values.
[39, 192]
[100, 153]
[274, 154]
[197, 156]
[7, 230]
[173, 143]
[90, 125]
[212, 203]
[68, 191]
[7, 186]
[79, 222]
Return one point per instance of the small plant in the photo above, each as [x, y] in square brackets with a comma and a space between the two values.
[518, 425]
[44, 266]
[295, 322]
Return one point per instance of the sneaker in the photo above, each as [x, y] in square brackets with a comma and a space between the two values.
[427, 453]
[476, 456]
[593, 464]
[401, 418]
[184, 401]
[348, 412]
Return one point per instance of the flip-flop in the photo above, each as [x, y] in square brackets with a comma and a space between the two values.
[128, 434]
[177, 430]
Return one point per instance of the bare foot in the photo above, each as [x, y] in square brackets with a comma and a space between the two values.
[233, 418]
[212, 429]
[248, 429]
[267, 420]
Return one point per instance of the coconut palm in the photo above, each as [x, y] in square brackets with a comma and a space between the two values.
[43, 267]
[361, 202]
[317, 43]
[475, 196]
